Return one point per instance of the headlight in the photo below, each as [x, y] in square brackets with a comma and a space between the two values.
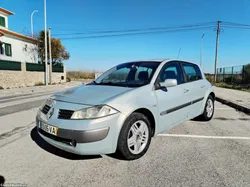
[94, 112]
[41, 107]
[46, 102]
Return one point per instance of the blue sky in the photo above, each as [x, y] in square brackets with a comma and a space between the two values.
[65, 16]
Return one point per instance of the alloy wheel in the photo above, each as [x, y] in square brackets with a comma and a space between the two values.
[138, 137]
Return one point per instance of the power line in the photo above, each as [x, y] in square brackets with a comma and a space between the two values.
[234, 27]
[138, 30]
[234, 24]
[133, 34]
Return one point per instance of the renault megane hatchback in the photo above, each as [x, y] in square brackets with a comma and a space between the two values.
[125, 107]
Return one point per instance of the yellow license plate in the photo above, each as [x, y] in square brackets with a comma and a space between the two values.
[48, 128]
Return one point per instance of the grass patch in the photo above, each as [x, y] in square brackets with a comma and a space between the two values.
[76, 75]
[39, 84]
[229, 86]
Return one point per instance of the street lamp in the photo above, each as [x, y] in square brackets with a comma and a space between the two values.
[31, 22]
[45, 44]
[179, 53]
[201, 49]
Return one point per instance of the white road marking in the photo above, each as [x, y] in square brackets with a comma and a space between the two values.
[224, 109]
[206, 137]
[12, 103]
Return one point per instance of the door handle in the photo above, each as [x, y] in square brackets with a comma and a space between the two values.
[186, 90]
[203, 86]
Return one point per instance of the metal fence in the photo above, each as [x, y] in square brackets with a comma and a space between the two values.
[234, 75]
[35, 67]
[58, 68]
[10, 65]
[41, 67]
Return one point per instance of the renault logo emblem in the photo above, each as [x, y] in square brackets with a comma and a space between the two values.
[50, 113]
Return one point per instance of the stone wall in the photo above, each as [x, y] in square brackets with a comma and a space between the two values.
[23, 78]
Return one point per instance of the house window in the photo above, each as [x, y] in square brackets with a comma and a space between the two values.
[8, 51]
[1, 49]
[2, 21]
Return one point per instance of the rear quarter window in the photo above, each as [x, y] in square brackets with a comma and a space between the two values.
[192, 72]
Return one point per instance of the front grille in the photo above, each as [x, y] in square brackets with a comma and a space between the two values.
[46, 109]
[65, 114]
[56, 138]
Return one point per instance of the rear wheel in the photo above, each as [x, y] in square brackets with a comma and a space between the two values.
[135, 137]
[208, 110]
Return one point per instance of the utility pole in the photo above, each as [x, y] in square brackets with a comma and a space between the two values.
[216, 50]
[46, 48]
[50, 58]
[201, 49]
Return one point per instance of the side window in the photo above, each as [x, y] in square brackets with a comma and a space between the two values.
[192, 72]
[8, 51]
[2, 21]
[1, 49]
[198, 71]
[142, 69]
[171, 70]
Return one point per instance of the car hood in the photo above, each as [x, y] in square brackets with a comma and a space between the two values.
[90, 94]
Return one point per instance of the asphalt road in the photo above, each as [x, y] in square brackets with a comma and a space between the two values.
[214, 153]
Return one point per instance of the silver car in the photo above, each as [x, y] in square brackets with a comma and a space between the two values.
[125, 107]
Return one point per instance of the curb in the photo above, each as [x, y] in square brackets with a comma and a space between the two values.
[234, 105]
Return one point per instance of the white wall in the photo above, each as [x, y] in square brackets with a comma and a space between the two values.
[6, 20]
[18, 50]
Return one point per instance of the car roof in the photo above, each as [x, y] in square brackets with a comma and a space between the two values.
[164, 60]
[151, 60]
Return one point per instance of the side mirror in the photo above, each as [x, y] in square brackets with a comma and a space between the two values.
[168, 83]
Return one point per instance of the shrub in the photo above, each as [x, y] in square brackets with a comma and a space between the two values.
[210, 78]
[68, 79]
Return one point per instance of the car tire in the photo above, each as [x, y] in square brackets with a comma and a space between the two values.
[208, 112]
[128, 133]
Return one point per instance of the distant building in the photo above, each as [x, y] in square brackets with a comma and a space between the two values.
[15, 46]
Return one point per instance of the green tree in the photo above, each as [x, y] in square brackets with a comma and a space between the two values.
[58, 50]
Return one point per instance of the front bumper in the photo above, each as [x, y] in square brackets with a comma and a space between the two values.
[84, 137]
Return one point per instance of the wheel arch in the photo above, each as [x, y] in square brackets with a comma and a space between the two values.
[209, 93]
[212, 94]
[149, 114]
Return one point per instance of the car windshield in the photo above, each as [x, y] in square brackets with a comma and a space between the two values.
[133, 74]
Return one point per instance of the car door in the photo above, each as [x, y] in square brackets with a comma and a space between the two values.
[196, 88]
[172, 101]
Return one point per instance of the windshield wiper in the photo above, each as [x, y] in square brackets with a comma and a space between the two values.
[92, 83]
[109, 84]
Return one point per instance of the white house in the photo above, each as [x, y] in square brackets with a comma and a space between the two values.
[15, 46]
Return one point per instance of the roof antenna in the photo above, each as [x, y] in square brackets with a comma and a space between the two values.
[179, 53]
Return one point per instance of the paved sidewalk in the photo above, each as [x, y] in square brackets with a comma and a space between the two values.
[235, 98]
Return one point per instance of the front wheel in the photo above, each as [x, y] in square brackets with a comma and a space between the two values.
[208, 110]
[135, 136]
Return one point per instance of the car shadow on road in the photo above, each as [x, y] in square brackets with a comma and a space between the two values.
[58, 152]
[2, 180]
[117, 156]
[198, 119]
